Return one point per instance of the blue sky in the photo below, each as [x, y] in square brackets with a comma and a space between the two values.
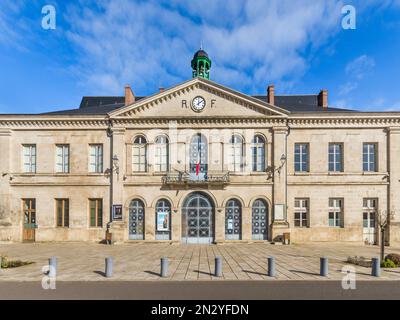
[99, 46]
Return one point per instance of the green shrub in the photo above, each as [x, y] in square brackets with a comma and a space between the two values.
[387, 263]
[394, 257]
[5, 263]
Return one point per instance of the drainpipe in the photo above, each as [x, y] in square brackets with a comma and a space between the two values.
[110, 135]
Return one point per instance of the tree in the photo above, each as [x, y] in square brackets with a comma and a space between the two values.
[383, 218]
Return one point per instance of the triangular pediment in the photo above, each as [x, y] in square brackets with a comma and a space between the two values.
[219, 101]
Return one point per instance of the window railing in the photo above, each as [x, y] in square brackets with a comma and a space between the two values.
[186, 178]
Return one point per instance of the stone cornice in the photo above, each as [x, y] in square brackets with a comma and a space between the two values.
[62, 124]
[345, 120]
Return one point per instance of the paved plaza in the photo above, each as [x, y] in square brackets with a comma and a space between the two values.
[137, 262]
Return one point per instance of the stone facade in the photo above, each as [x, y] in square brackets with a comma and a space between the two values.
[278, 185]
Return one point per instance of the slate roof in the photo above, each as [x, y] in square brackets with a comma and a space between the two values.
[102, 105]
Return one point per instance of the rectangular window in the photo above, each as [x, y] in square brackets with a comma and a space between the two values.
[62, 158]
[62, 212]
[301, 213]
[161, 157]
[335, 157]
[370, 206]
[96, 212]
[29, 158]
[336, 213]
[139, 158]
[96, 158]
[301, 157]
[370, 157]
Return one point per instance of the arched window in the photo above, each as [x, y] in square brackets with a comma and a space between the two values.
[139, 154]
[236, 153]
[163, 220]
[161, 154]
[260, 220]
[258, 153]
[136, 220]
[233, 220]
[198, 157]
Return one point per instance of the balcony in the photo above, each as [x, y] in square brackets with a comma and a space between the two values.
[184, 178]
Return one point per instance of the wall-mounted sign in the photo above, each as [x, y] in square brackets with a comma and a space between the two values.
[163, 220]
[117, 212]
[279, 212]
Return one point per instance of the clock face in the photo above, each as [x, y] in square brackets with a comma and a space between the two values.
[198, 104]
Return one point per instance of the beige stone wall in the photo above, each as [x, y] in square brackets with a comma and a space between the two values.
[226, 113]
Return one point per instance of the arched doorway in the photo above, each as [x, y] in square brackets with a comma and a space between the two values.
[136, 220]
[233, 220]
[197, 219]
[163, 220]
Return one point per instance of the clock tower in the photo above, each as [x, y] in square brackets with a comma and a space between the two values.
[201, 65]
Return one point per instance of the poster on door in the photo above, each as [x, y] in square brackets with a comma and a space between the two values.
[230, 224]
[163, 220]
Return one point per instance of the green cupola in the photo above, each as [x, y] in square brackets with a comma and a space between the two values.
[201, 64]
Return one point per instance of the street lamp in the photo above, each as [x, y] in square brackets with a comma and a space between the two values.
[115, 164]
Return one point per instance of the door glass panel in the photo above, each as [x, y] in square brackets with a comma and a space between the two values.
[260, 220]
[136, 220]
[233, 217]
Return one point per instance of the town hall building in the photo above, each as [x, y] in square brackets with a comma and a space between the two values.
[200, 163]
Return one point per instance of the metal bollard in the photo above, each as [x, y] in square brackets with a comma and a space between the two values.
[271, 267]
[376, 267]
[53, 267]
[109, 267]
[324, 267]
[1, 261]
[218, 267]
[164, 267]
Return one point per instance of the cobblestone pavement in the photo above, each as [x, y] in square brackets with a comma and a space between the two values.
[132, 262]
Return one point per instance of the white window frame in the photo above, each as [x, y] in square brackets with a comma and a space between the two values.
[96, 158]
[370, 205]
[336, 210]
[258, 153]
[236, 153]
[139, 154]
[298, 166]
[367, 165]
[62, 158]
[337, 154]
[29, 156]
[161, 154]
[301, 208]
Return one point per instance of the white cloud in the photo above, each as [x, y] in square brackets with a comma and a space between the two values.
[355, 71]
[151, 43]
[360, 66]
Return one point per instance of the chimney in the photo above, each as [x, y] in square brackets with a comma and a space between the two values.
[161, 89]
[129, 95]
[271, 94]
[323, 99]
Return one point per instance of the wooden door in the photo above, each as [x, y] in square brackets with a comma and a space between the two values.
[29, 211]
